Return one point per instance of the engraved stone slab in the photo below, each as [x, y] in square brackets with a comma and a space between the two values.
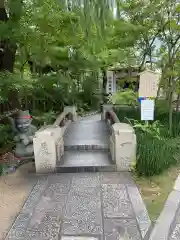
[116, 202]
[139, 209]
[121, 229]
[46, 148]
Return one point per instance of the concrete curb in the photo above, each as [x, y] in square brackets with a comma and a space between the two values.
[140, 210]
[167, 217]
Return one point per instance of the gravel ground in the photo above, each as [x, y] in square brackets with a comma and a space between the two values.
[14, 190]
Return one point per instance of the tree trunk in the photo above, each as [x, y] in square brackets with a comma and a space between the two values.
[178, 102]
[7, 57]
[170, 112]
[104, 85]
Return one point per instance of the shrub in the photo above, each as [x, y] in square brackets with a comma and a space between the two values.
[41, 118]
[155, 155]
[6, 136]
[124, 97]
[156, 150]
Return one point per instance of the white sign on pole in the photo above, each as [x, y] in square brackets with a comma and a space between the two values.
[147, 109]
[110, 81]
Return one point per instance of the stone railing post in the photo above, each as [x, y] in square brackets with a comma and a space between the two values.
[123, 146]
[105, 108]
[48, 148]
[72, 110]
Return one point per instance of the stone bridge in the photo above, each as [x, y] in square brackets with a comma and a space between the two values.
[89, 144]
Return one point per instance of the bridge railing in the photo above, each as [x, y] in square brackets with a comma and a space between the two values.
[122, 140]
[49, 143]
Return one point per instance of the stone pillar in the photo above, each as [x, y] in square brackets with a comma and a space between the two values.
[104, 110]
[72, 110]
[123, 146]
[48, 148]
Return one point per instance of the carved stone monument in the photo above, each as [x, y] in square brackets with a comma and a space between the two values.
[24, 133]
[48, 148]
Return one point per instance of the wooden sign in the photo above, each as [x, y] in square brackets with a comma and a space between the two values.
[148, 84]
[110, 81]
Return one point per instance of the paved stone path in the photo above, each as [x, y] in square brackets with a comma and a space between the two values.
[82, 206]
[86, 144]
[87, 131]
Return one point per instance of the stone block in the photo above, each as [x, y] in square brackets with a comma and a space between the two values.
[123, 148]
[72, 110]
[106, 107]
[48, 149]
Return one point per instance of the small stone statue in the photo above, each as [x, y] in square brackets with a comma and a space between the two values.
[24, 133]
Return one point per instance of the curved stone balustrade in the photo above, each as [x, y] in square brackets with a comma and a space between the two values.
[122, 140]
[48, 142]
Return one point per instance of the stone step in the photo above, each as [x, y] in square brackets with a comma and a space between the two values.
[86, 161]
[92, 169]
[83, 147]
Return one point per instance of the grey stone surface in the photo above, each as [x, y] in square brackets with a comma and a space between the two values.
[85, 158]
[87, 132]
[78, 206]
[86, 145]
[116, 202]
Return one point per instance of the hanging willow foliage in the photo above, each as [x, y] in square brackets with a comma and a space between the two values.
[97, 12]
